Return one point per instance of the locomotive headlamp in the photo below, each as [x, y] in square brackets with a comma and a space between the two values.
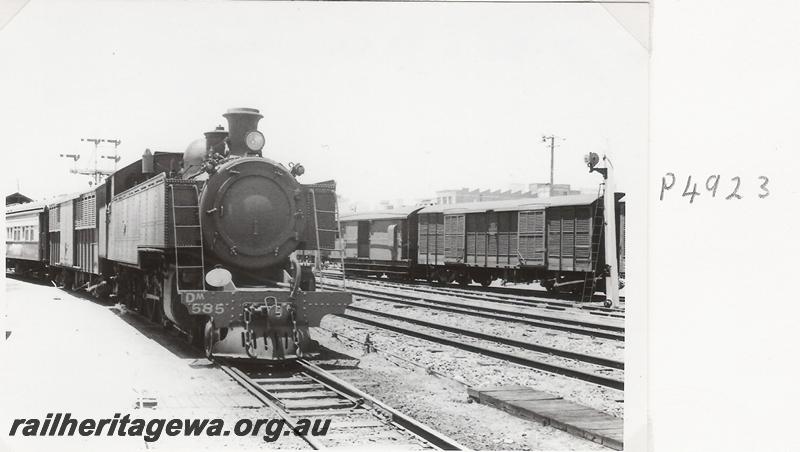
[591, 159]
[218, 277]
[254, 140]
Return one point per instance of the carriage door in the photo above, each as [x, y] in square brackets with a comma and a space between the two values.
[393, 237]
[363, 239]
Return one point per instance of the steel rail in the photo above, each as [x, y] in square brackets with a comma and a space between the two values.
[419, 429]
[501, 340]
[601, 380]
[505, 299]
[259, 393]
[492, 289]
[402, 298]
[511, 318]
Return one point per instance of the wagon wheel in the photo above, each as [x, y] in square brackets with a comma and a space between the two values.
[547, 284]
[69, 280]
[464, 279]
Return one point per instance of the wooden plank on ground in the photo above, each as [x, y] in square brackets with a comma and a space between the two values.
[552, 410]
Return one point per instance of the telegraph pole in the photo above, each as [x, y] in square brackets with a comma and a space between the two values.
[95, 173]
[552, 139]
[116, 158]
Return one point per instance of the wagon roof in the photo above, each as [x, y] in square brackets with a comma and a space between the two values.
[514, 204]
[41, 204]
[390, 214]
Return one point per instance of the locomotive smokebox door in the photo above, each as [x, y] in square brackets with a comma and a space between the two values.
[250, 211]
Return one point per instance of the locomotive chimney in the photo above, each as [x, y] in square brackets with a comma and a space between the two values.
[243, 135]
[215, 141]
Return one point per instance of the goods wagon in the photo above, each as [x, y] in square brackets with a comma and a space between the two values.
[556, 241]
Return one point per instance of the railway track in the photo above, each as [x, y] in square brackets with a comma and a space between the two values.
[516, 291]
[528, 297]
[356, 419]
[602, 329]
[491, 350]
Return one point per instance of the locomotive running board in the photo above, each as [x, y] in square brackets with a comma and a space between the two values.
[226, 307]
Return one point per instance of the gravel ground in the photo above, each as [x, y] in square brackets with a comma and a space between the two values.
[605, 348]
[550, 359]
[478, 370]
[443, 404]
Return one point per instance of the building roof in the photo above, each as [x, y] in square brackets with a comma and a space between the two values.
[17, 198]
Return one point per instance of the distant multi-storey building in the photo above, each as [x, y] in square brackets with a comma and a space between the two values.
[543, 190]
[462, 195]
[534, 190]
[475, 195]
[17, 198]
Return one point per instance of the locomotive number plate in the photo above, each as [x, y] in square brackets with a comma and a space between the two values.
[207, 308]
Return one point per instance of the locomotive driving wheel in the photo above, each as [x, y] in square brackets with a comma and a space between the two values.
[195, 334]
[210, 337]
[152, 298]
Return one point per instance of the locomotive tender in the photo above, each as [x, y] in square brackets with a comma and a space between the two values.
[556, 241]
[203, 240]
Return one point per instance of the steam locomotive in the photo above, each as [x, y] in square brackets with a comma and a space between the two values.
[204, 241]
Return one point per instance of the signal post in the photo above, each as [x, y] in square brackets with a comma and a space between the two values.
[609, 226]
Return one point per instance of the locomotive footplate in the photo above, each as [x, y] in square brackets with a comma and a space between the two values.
[226, 307]
[261, 323]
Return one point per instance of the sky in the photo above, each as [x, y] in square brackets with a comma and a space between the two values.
[392, 100]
